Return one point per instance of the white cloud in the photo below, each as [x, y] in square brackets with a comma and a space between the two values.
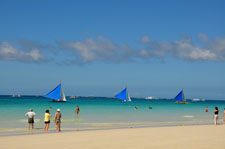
[186, 49]
[203, 37]
[9, 53]
[100, 49]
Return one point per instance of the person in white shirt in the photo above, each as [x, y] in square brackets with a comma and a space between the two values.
[30, 115]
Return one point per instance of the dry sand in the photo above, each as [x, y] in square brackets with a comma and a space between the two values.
[177, 137]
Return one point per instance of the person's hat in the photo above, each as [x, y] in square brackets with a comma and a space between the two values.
[58, 110]
[31, 109]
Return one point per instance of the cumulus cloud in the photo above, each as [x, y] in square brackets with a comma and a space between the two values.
[26, 45]
[100, 49]
[186, 49]
[9, 53]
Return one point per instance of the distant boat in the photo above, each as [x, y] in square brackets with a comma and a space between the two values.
[180, 98]
[123, 95]
[196, 99]
[72, 97]
[16, 95]
[57, 94]
[149, 97]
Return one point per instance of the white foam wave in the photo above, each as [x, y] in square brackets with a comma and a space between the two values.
[188, 116]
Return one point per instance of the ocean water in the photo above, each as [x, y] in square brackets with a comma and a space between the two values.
[104, 113]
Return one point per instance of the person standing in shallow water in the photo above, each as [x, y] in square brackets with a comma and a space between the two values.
[224, 116]
[77, 111]
[30, 115]
[206, 109]
[47, 120]
[216, 115]
[57, 120]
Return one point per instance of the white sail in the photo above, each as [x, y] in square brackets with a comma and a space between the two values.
[63, 97]
[128, 97]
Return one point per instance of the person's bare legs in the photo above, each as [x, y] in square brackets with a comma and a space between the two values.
[215, 119]
[28, 126]
[32, 127]
[77, 115]
[47, 127]
[59, 127]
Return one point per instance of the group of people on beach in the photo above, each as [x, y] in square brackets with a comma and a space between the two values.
[216, 114]
[57, 119]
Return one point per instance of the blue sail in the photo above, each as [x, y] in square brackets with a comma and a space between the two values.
[179, 97]
[122, 95]
[55, 93]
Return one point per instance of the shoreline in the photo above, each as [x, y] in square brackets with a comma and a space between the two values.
[38, 131]
[195, 136]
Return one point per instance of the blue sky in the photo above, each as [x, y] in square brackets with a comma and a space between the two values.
[156, 48]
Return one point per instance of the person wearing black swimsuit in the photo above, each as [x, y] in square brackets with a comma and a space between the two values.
[216, 115]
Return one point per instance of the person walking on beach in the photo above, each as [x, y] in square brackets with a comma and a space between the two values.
[224, 115]
[30, 115]
[57, 120]
[77, 111]
[216, 113]
[47, 120]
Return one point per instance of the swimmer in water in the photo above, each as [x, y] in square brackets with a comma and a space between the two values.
[77, 111]
[206, 109]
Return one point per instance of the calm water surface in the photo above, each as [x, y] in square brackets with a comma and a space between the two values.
[104, 113]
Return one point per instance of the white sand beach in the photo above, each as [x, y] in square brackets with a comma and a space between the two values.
[176, 137]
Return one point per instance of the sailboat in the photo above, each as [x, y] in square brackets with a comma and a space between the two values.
[57, 94]
[123, 95]
[180, 98]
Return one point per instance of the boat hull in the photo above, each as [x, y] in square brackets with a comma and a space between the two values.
[57, 101]
[183, 102]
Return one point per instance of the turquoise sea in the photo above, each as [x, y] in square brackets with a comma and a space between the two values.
[104, 113]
